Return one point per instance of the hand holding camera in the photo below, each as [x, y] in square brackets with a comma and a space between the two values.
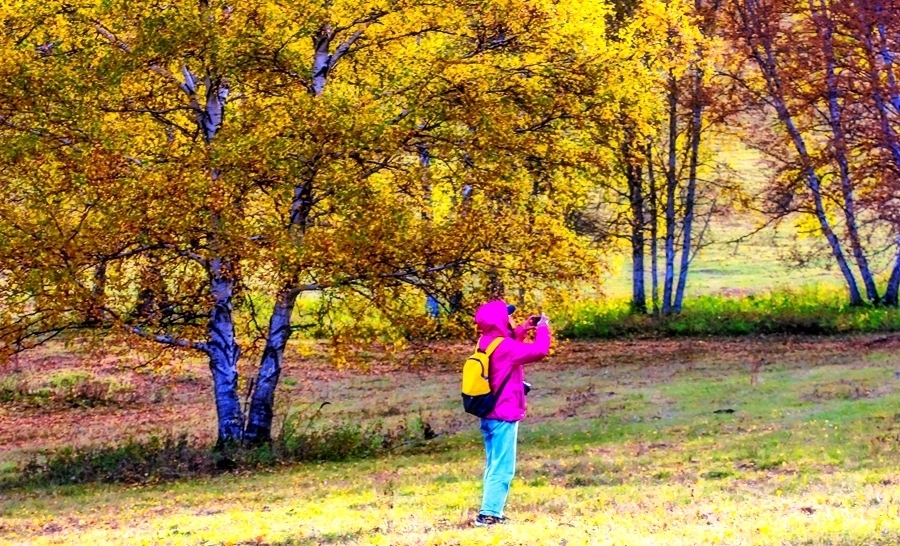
[542, 320]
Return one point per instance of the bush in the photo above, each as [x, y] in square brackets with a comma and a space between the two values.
[810, 311]
[171, 457]
[65, 388]
[299, 441]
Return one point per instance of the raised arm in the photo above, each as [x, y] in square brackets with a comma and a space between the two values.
[526, 353]
[522, 330]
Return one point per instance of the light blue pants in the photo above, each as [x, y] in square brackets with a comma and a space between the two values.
[500, 448]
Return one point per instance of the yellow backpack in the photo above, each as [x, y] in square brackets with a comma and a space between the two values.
[476, 388]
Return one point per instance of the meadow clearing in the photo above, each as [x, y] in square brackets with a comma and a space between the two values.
[717, 441]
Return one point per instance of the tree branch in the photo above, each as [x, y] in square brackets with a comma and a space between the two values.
[404, 275]
[115, 41]
[169, 340]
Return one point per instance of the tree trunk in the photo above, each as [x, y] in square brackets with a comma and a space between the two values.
[654, 233]
[432, 305]
[259, 416]
[762, 53]
[825, 26]
[888, 58]
[893, 285]
[835, 244]
[635, 190]
[223, 354]
[261, 411]
[638, 293]
[671, 186]
[221, 347]
[696, 128]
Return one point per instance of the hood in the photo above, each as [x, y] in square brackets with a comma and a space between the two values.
[492, 319]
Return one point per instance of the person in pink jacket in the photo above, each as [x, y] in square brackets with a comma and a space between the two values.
[501, 426]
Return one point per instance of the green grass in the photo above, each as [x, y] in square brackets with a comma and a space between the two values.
[623, 445]
[62, 388]
[740, 254]
[761, 263]
[812, 310]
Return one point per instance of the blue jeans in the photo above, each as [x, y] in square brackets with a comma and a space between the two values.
[500, 448]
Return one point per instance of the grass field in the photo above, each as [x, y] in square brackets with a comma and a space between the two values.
[752, 441]
[759, 262]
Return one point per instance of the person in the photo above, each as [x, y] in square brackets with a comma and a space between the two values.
[500, 427]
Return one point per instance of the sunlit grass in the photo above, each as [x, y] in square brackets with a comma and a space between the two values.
[813, 309]
[622, 446]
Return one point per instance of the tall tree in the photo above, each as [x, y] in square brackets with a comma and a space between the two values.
[631, 199]
[259, 152]
[867, 22]
[816, 66]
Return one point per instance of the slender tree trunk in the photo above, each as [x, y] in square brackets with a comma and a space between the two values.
[633, 176]
[639, 296]
[654, 233]
[432, 305]
[696, 127]
[223, 354]
[762, 53]
[893, 285]
[261, 411]
[259, 417]
[887, 57]
[824, 24]
[671, 186]
[815, 188]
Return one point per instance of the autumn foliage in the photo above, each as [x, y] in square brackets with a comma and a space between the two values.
[825, 72]
[183, 175]
[214, 177]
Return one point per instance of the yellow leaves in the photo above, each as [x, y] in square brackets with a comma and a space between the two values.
[508, 98]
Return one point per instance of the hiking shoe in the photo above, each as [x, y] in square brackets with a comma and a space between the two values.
[484, 520]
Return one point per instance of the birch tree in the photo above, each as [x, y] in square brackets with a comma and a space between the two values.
[229, 159]
[817, 68]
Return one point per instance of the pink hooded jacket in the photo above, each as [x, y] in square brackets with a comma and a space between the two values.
[509, 357]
